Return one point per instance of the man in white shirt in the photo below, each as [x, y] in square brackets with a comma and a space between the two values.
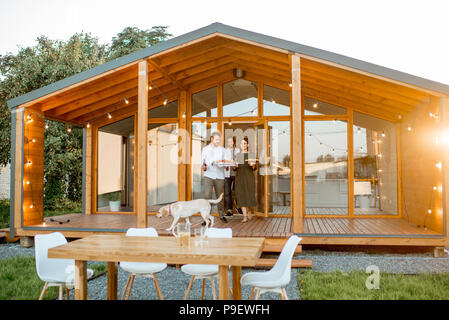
[211, 157]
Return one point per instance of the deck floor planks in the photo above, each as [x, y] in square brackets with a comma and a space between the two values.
[270, 227]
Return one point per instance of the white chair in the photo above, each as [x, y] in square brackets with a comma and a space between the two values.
[55, 272]
[206, 271]
[142, 269]
[278, 277]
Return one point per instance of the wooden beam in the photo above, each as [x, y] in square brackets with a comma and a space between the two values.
[183, 147]
[18, 166]
[91, 88]
[142, 145]
[370, 79]
[166, 75]
[297, 186]
[88, 172]
[444, 114]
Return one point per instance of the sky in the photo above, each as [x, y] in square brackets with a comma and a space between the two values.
[409, 36]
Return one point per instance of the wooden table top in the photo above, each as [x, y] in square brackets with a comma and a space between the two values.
[115, 248]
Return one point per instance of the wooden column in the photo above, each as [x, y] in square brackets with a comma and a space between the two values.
[33, 167]
[142, 145]
[297, 165]
[444, 114]
[18, 166]
[88, 171]
[350, 163]
[183, 147]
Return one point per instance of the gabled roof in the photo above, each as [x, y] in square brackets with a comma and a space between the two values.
[242, 34]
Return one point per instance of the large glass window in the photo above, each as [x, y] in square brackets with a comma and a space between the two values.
[204, 103]
[375, 166]
[115, 187]
[279, 167]
[276, 102]
[240, 98]
[164, 111]
[162, 165]
[314, 107]
[201, 133]
[326, 167]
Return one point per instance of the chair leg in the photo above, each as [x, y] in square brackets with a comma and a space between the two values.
[61, 288]
[251, 295]
[285, 294]
[43, 291]
[158, 288]
[130, 286]
[202, 288]
[126, 286]
[189, 287]
[213, 288]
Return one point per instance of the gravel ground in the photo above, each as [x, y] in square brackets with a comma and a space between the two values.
[174, 282]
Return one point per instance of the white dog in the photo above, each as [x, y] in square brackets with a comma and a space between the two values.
[185, 209]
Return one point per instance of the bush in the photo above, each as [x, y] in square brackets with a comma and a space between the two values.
[4, 213]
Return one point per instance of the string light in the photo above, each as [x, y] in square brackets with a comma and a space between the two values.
[290, 85]
[33, 140]
[409, 128]
[438, 165]
[184, 114]
[165, 102]
[69, 129]
[383, 134]
[315, 105]
[88, 125]
[46, 126]
[109, 115]
[31, 206]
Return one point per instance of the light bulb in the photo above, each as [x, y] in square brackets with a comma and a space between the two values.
[88, 125]
[184, 114]
[438, 165]
[109, 115]
[315, 105]
[29, 162]
[46, 126]
[151, 87]
[31, 206]
[382, 134]
[126, 101]
[27, 182]
[69, 129]
[33, 140]
[435, 188]
[165, 102]
[290, 85]
[409, 128]
[429, 211]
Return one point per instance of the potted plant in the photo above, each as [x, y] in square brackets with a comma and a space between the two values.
[114, 201]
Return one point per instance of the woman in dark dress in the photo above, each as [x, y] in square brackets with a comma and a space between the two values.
[245, 183]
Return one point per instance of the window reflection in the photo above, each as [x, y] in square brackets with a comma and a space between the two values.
[115, 187]
[375, 165]
[164, 111]
[326, 167]
[204, 103]
[276, 102]
[162, 165]
[240, 98]
[316, 107]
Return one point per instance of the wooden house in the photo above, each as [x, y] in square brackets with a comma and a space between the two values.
[349, 152]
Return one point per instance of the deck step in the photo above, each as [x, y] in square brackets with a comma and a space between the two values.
[296, 263]
[5, 233]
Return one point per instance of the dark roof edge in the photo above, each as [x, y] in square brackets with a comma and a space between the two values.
[110, 65]
[240, 33]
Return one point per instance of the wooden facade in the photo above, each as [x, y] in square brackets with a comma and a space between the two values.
[181, 67]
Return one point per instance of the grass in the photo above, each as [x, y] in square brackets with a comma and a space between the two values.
[351, 286]
[19, 279]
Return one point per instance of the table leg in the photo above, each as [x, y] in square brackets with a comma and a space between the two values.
[80, 280]
[236, 286]
[112, 280]
[223, 282]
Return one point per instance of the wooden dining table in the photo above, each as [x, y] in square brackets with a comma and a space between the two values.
[224, 252]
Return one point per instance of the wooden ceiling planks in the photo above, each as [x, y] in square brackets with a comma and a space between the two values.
[207, 62]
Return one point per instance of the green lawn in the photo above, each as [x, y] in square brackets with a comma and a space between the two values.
[351, 286]
[19, 280]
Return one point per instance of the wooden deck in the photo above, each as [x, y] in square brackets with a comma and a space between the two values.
[355, 231]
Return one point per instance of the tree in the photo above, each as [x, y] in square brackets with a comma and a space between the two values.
[132, 39]
[45, 63]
